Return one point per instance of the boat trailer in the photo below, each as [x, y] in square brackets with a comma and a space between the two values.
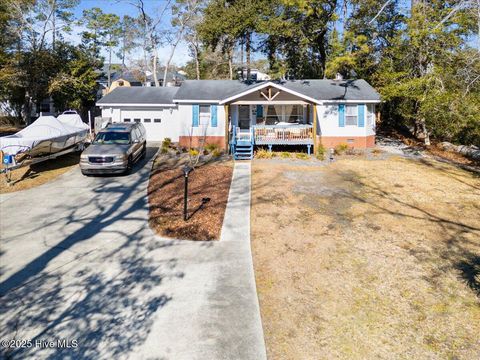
[13, 162]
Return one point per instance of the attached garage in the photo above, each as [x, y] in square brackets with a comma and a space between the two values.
[153, 107]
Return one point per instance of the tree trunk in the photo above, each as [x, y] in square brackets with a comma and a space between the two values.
[154, 68]
[109, 67]
[197, 61]
[174, 46]
[248, 51]
[425, 132]
[54, 29]
[230, 63]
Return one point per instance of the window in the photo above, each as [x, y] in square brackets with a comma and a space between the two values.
[285, 114]
[371, 114]
[157, 120]
[112, 138]
[351, 115]
[147, 120]
[136, 120]
[126, 120]
[204, 114]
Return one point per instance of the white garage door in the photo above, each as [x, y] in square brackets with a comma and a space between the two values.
[159, 123]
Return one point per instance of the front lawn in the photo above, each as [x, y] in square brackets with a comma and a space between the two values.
[364, 259]
[209, 185]
[37, 174]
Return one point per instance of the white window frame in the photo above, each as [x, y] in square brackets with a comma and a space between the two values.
[371, 115]
[347, 115]
[204, 117]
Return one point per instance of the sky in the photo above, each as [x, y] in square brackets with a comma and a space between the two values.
[122, 7]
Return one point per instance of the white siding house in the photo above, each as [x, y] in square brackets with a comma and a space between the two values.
[238, 115]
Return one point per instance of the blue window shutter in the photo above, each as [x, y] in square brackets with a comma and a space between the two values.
[259, 111]
[341, 115]
[195, 115]
[213, 113]
[361, 115]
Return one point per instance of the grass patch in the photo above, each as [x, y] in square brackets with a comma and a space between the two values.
[285, 155]
[302, 156]
[264, 154]
[34, 175]
[351, 261]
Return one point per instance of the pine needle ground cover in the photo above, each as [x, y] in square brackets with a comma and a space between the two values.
[209, 186]
[367, 259]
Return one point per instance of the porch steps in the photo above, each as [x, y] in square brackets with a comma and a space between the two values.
[243, 151]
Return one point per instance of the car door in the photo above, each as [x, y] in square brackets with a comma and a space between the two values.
[137, 143]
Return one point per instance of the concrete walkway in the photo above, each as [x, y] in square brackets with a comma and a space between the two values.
[79, 262]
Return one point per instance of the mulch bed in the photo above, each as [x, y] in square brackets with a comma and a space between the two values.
[208, 190]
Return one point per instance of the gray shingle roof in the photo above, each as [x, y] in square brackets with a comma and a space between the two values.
[334, 90]
[210, 89]
[317, 89]
[140, 95]
[217, 90]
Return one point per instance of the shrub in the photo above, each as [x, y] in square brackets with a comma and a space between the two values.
[264, 154]
[285, 155]
[340, 149]
[166, 142]
[216, 153]
[184, 149]
[211, 147]
[164, 150]
[302, 156]
[321, 152]
[193, 152]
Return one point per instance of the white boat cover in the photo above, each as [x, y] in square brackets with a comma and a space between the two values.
[44, 128]
[72, 120]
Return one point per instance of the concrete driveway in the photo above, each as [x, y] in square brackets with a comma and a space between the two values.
[79, 262]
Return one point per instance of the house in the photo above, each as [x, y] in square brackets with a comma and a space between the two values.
[239, 115]
[123, 77]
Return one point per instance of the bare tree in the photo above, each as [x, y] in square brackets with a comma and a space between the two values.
[151, 28]
[184, 13]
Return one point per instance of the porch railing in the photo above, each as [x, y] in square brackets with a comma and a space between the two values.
[283, 134]
[243, 134]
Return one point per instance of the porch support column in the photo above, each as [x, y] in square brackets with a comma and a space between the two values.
[314, 129]
[227, 126]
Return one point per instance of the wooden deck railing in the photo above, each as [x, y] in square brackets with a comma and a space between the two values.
[283, 134]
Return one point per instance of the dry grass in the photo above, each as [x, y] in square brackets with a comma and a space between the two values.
[209, 185]
[368, 259]
[38, 174]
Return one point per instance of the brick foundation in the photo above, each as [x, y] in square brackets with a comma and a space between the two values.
[196, 140]
[357, 142]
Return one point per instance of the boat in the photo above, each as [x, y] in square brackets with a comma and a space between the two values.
[46, 136]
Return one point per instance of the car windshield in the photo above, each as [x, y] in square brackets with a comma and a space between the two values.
[112, 138]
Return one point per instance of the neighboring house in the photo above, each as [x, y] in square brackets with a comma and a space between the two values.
[240, 115]
[120, 78]
[255, 75]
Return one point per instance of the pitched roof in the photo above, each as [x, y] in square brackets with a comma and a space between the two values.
[140, 95]
[217, 90]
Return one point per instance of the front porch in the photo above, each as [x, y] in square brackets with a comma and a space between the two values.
[269, 115]
[269, 135]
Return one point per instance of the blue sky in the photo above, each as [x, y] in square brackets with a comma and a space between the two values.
[121, 8]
